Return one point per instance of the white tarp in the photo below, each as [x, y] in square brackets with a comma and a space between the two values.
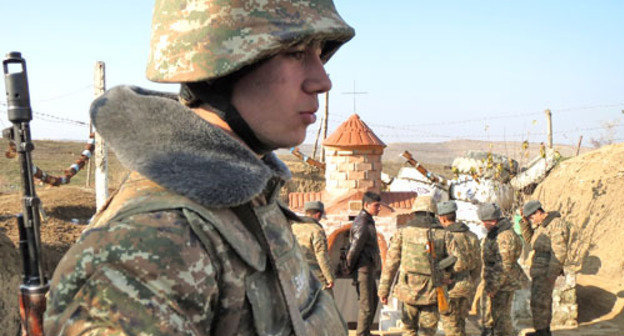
[536, 169]
[465, 188]
[410, 179]
[467, 213]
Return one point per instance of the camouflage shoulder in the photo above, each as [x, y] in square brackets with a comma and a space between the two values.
[120, 269]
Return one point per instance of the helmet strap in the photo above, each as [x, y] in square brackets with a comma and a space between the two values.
[217, 96]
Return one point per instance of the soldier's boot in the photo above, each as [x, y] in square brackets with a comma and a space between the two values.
[487, 332]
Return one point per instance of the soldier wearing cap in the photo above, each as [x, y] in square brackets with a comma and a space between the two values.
[195, 242]
[311, 237]
[501, 275]
[547, 235]
[463, 245]
[408, 256]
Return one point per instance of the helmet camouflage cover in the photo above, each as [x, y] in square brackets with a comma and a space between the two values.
[424, 203]
[200, 40]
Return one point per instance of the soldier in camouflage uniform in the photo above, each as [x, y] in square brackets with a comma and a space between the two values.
[311, 237]
[502, 275]
[463, 245]
[408, 255]
[548, 235]
[195, 242]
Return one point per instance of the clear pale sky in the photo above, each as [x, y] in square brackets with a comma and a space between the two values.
[431, 70]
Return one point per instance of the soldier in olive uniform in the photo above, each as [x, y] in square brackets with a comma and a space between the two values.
[408, 255]
[548, 235]
[502, 275]
[463, 245]
[195, 242]
[311, 237]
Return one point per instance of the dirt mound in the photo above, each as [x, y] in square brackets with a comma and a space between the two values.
[67, 209]
[587, 190]
[9, 284]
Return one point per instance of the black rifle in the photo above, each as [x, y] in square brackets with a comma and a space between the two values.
[34, 283]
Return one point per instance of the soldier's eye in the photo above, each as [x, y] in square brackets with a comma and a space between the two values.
[296, 54]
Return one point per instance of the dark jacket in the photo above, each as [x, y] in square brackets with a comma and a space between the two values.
[363, 247]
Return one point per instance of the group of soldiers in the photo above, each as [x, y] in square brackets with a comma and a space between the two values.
[485, 271]
[195, 242]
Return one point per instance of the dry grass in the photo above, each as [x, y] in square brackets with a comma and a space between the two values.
[54, 157]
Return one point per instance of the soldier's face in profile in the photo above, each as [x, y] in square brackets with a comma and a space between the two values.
[372, 208]
[279, 98]
[537, 217]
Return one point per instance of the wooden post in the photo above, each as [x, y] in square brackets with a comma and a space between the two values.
[89, 167]
[101, 152]
[549, 128]
[316, 140]
[578, 146]
[325, 125]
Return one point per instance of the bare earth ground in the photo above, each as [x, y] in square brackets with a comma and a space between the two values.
[586, 189]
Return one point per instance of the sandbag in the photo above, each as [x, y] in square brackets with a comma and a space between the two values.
[486, 165]
[466, 188]
[536, 170]
[410, 179]
[467, 213]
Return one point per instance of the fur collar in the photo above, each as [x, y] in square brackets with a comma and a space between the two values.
[457, 227]
[503, 225]
[153, 134]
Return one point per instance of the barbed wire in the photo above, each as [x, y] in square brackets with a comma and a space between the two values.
[63, 95]
[70, 172]
[61, 119]
[487, 118]
[414, 133]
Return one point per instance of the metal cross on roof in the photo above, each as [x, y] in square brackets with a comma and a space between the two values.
[354, 93]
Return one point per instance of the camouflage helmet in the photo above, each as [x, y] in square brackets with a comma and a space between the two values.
[424, 203]
[195, 41]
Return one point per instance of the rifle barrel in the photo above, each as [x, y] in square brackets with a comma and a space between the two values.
[34, 283]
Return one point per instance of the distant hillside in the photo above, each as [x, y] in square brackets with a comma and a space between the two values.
[444, 152]
[56, 156]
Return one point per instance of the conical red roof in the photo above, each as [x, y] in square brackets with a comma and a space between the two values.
[353, 133]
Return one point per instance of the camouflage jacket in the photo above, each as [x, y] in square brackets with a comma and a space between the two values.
[408, 256]
[465, 246]
[194, 243]
[549, 245]
[311, 237]
[501, 249]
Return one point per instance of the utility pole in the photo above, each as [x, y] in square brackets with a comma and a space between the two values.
[101, 152]
[322, 124]
[549, 128]
[325, 125]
